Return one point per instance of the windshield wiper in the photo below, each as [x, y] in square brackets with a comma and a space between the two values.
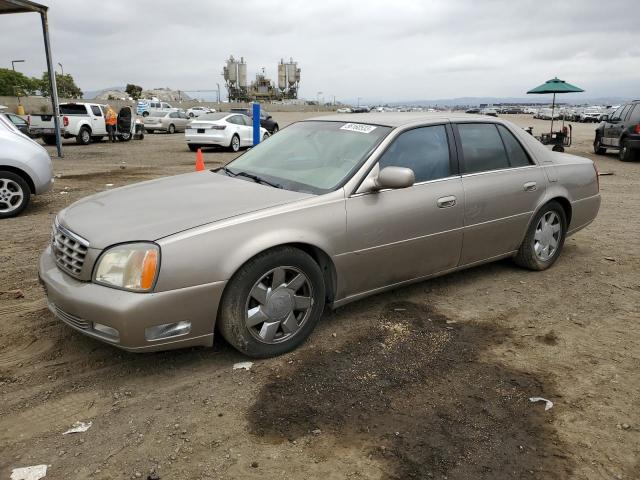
[250, 176]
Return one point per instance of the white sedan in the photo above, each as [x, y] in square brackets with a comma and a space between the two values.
[232, 130]
[198, 111]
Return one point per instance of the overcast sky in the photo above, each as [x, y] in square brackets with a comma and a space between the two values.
[378, 50]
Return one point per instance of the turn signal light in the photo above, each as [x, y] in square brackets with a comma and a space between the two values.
[149, 266]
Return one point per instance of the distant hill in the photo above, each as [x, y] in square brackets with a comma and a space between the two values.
[164, 94]
[475, 101]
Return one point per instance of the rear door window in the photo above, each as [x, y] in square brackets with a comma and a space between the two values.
[482, 147]
[424, 150]
[635, 115]
[626, 109]
[73, 109]
[516, 154]
[96, 110]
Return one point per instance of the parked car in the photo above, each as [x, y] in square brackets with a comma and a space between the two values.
[547, 113]
[19, 122]
[266, 120]
[591, 115]
[169, 122]
[25, 169]
[472, 110]
[620, 131]
[325, 212]
[82, 121]
[147, 107]
[492, 112]
[343, 110]
[197, 111]
[233, 130]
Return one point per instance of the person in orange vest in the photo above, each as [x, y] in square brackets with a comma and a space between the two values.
[110, 121]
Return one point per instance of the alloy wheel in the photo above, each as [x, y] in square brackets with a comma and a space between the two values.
[278, 305]
[547, 236]
[11, 195]
[235, 144]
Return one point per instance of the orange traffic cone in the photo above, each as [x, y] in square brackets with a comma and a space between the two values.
[199, 161]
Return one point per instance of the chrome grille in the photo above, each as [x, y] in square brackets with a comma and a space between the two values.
[69, 250]
[68, 318]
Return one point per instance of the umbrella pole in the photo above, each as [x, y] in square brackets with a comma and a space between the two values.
[553, 107]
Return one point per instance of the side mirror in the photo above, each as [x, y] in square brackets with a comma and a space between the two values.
[389, 178]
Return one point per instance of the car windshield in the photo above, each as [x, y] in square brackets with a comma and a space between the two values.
[212, 116]
[312, 156]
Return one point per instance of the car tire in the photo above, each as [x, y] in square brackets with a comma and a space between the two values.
[84, 136]
[626, 153]
[145, 114]
[275, 129]
[125, 137]
[283, 313]
[193, 148]
[265, 136]
[12, 184]
[547, 231]
[49, 139]
[234, 146]
[558, 148]
[172, 129]
[151, 131]
[598, 149]
[191, 115]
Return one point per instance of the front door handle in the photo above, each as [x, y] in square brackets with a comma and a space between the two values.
[530, 187]
[444, 202]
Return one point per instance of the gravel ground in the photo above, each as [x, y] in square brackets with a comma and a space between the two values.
[429, 381]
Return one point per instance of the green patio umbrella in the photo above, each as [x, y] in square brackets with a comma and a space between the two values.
[555, 85]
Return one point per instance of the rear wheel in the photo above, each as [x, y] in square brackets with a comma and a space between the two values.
[235, 143]
[172, 129]
[14, 194]
[272, 303]
[84, 136]
[145, 114]
[598, 149]
[275, 129]
[627, 154]
[49, 139]
[544, 240]
[125, 137]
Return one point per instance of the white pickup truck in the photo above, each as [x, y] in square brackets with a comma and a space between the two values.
[82, 121]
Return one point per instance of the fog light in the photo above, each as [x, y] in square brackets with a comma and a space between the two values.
[158, 332]
[108, 332]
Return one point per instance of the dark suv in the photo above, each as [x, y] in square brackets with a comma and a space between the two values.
[266, 120]
[620, 130]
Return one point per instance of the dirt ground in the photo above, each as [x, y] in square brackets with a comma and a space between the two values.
[429, 381]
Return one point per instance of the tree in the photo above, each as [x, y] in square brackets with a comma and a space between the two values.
[12, 83]
[134, 91]
[67, 87]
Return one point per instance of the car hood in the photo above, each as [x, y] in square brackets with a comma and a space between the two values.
[152, 210]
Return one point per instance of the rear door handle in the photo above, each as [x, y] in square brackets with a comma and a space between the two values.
[530, 187]
[444, 202]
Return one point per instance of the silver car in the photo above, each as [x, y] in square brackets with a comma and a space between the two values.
[170, 122]
[324, 213]
[25, 169]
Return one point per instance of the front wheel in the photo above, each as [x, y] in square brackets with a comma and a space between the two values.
[598, 149]
[544, 239]
[14, 194]
[275, 129]
[172, 129]
[125, 137]
[272, 303]
[145, 114]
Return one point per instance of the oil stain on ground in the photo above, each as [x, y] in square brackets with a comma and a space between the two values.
[413, 393]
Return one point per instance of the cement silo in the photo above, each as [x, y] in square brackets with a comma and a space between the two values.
[282, 76]
[288, 78]
[242, 74]
[235, 77]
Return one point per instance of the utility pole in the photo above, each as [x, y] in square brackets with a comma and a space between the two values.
[61, 68]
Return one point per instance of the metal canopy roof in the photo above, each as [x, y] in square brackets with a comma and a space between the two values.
[21, 6]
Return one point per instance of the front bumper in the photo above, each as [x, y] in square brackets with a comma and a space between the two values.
[82, 304]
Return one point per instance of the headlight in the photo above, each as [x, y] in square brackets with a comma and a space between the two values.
[132, 266]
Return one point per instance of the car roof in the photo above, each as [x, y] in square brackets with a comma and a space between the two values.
[400, 119]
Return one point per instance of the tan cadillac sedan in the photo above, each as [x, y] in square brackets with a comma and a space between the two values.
[323, 213]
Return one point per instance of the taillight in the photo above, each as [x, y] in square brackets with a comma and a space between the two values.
[218, 127]
[595, 167]
[65, 121]
[636, 129]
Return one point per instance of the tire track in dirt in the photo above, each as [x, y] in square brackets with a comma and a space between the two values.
[412, 393]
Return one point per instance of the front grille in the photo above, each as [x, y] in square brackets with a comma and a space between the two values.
[68, 318]
[69, 250]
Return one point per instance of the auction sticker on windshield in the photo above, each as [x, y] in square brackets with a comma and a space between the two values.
[358, 127]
